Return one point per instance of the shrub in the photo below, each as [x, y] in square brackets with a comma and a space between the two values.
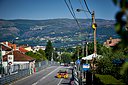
[106, 79]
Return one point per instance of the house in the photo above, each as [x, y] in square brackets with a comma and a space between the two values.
[36, 48]
[111, 42]
[23, 50]
[14, 58]
[26, 47]
[18, 58]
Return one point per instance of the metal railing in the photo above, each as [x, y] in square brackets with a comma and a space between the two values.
[13, 77]
[21, 71]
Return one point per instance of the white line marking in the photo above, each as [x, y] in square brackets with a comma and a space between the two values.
[60, 82]
[35, 83]
[45, 77]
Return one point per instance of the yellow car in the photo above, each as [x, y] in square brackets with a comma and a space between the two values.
[62, 74]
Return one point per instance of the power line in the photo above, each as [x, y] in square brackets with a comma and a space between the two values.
[72, 11]
[89, 30]
[83, 8]
[87, 7]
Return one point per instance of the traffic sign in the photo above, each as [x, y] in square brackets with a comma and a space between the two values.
[10, 59]
[78, 61]
[86, 67]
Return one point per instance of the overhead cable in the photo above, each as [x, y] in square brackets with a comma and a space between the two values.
[83, 8]
[72, 11]
[87, 7]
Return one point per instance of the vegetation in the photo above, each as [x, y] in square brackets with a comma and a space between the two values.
[49, 50]
[106, 80]
[66, 57]
[124, 72]
[38, 55]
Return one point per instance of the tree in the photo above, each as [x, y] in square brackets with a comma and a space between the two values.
[38, 55]
[42, 54]
[49, 50]
[77, 54]
[124, 72]
[66, 57]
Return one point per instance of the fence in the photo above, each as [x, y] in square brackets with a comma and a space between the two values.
[9, 78]
[41, 65]
[20, 71]
[14, 68]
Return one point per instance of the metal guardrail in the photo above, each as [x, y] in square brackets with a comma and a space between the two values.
[25, 72]
[76, 80]
[13, 77]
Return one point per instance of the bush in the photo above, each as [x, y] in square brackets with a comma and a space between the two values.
[106, 79]
[124, 72]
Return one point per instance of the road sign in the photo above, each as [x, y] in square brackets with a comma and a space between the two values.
[10, 59]
[78, 61]
[86, 67]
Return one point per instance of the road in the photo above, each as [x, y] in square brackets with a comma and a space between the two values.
[45, 77]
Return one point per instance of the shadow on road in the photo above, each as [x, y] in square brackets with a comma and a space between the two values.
[65, 83]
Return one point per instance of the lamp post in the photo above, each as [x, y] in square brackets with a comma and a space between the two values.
[94, 26]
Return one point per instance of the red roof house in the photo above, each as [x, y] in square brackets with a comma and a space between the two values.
[18, 56]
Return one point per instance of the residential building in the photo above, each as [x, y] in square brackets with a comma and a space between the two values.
[13, 55]
[111, 42]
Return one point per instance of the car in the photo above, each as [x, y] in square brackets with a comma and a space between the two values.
[62, 74]
[62, 64]
[66, 64]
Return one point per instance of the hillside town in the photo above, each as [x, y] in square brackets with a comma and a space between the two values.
[63, 42]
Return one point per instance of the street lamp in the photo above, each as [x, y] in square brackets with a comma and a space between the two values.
[78, 10]
[94, 26]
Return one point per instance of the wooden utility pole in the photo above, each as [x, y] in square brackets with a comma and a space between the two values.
[86, 52]
[94, 25]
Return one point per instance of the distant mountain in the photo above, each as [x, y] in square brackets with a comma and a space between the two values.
[62, 32]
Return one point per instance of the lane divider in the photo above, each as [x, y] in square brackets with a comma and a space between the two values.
[60, 81]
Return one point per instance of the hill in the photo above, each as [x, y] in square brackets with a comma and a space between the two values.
[62, 32]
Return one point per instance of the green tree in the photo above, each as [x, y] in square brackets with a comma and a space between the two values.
[39, 55]
[42, 54]
[124, 72]
[91, 48]
[66, 57]
[49, 50]
[55, 55]
[77, 54]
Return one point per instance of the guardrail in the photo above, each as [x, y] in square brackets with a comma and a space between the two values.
[76, 80]
[20, 73]
[13, 77]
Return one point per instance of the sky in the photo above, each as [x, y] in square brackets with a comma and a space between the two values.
[52, 9]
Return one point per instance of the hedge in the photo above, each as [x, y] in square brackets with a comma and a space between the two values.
[106, 79]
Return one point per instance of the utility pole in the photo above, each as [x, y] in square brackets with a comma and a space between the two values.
[86, 52]
[78, 52]
[94, 25]
[83, 50]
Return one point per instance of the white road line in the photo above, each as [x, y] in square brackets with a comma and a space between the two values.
[45, 77]
[60, 82]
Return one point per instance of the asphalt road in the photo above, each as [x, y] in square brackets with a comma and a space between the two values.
[45, 77]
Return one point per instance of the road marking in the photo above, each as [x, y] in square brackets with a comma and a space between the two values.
[60, 82]
[45, 77]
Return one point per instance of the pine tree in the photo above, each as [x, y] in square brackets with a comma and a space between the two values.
[49, 50]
